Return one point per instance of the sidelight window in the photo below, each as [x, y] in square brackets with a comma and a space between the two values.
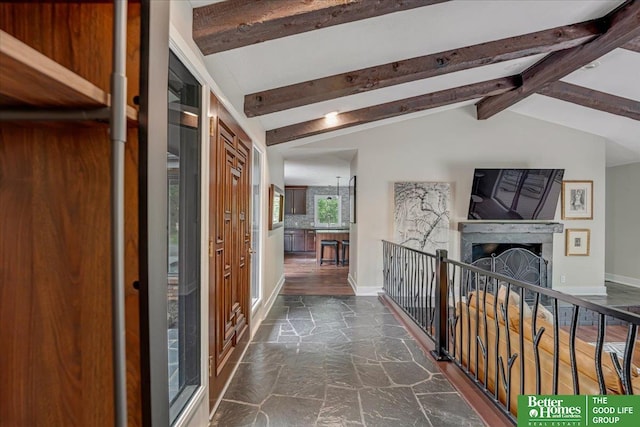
[183, 236]
[256, 221]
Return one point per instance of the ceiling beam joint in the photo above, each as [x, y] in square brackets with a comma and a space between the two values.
[623, 26]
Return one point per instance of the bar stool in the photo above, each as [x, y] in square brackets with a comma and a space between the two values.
[328, 243]
[345, 247]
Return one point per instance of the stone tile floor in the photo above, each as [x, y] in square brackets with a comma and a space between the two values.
[338, 361]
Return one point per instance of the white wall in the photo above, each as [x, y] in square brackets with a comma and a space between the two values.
[446, 147]
[274, 244]
[622, 260]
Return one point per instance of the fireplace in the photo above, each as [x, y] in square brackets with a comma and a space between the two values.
[484, 239]
[483, 250]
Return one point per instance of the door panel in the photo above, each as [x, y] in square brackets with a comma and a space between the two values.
[230, 240]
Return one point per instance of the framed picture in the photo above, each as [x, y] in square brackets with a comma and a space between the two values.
[577, 199]
[577, 241]
[276, 207]
[352, 200]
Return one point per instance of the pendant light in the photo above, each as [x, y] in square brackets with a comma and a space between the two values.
[337, 189]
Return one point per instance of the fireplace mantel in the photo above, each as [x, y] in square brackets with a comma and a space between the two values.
[475, 232]
[510, 227]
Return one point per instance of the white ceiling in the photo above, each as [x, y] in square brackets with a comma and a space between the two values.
[423, 31]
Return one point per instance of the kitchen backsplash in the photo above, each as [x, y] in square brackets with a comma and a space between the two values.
[307, 221]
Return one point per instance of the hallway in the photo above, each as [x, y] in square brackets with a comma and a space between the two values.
[338, 361]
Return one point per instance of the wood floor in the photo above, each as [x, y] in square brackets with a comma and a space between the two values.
[304, 277]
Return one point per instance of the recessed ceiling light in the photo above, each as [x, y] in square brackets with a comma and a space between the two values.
[591, 65]
[331, 118]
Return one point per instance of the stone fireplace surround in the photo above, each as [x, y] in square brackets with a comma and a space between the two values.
[523, 232]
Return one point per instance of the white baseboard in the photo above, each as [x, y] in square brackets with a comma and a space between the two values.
[272, 297]
[369, 291]
[261, 311]
[352, 283]
[582, 290]
[631, 281]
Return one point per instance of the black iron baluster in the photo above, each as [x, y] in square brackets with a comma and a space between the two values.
[536, 335]
[414, 284]
[391, 272]
[618, 368]
[419, 302]
[441, 303]
[510, 357]
[452, 302]
[599, 345]
[497, 343]
[385, 279]
[556, 346]
[423, 290]
[430, 296]
[572, 350]
[399, 275]
[452, 318]
[477, 291]
[398, 280]
[465, 284]
[632, 334]
[521, 339]
[486, 332]
[411, 296]
[419, 287]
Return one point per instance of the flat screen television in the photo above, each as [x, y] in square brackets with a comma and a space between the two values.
[515, 194]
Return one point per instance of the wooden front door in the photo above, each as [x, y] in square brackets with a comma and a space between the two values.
[229, 247]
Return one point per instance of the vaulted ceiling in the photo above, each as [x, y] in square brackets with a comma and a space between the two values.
[287, 63]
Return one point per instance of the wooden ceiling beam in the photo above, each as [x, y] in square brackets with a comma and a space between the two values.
[236, 23]
[377, 77]
[390, 109]
[593, 99]
[633, 45]
[622, 25]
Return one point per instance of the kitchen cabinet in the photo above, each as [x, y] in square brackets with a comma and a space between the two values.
[288, 241]
[299, 240]
[295, 200]
[310, 240]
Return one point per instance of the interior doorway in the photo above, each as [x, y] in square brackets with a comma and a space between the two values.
[317, 222]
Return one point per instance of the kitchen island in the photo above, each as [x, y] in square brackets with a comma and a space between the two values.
[330, 234]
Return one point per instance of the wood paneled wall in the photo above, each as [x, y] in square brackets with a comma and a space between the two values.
[55, 241]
